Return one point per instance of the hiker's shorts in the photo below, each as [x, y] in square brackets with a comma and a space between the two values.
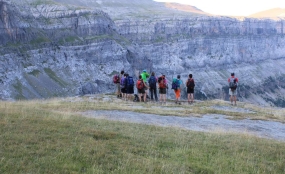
[232, 92]
[141, 91]
[162, 90]
[130, 90]
[124, 90]
[190, 90]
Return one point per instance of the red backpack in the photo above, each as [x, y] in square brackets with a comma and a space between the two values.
[140, 84]
[161, 82]
[116, 79]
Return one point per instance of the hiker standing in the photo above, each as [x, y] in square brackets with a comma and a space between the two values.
[176, 86]
[116, 80]
[123, 87]
[152, 87]
[129, 83]
[233, 81]
[190, 88]
[162, 85]
[141, 88]
[145, 75]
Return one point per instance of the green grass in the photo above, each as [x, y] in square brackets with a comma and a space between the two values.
[48, 137]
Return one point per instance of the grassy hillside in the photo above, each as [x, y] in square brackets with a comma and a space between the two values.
[49, 136]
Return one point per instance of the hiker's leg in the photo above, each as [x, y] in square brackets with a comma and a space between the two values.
[189, 97]
[144, 97]
[179, 95]
[119, 90]
[154, 94]
[231, 95]
[192, 96]
[151, 93]
[235, 97]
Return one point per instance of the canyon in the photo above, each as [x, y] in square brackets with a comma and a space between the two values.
[59, 48]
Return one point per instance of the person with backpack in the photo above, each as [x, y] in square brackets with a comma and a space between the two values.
[145, 75]
[162, 85]
[190, 83]
[116, 80]
[233, 81]
[176, 87]
[141, 89]
[129, 83]
[152, 86]
[123, 87]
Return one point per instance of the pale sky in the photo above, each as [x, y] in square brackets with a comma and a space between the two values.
[232, 7]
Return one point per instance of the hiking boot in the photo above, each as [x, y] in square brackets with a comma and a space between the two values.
[179, 103]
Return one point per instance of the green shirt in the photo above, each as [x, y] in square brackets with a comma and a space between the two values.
[144, 76]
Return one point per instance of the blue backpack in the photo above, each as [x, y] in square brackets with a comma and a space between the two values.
[130, 82]
[175, 84]
[152, 82]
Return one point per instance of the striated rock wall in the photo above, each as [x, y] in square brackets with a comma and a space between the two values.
[211, 48]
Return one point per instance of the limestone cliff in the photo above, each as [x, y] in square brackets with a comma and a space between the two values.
[67, 47]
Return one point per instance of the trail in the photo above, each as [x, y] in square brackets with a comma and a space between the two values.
[206, 123]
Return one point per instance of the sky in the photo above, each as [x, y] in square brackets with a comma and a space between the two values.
[232, 7]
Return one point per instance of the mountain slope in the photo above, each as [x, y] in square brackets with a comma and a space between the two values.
[187, 8]
[271, 13]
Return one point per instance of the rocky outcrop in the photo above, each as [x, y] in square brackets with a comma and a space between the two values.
[51, 49]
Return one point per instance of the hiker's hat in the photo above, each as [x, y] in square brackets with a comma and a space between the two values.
[144, 70]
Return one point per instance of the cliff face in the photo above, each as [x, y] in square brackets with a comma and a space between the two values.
[211, 48]
[50, 49]
[54, 50]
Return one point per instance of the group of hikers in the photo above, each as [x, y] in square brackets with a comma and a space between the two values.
[149, 83]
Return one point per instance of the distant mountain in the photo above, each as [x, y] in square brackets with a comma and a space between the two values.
[271, 13]
[187, 8]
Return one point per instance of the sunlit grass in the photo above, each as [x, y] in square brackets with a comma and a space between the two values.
[47, 136]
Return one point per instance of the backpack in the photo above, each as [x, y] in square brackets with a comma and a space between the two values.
[122, 82]
[233, 83]
[175, 84]
[161, 82]
[130, 82]
[152, 82]
[116, 78]
[190, 83]
[140, 84]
